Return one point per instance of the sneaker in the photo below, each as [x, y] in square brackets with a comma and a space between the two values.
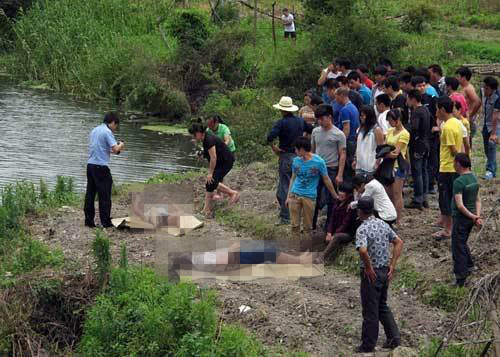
[425, 204]
[488, 175]
[90, 225]
[283, 222]
[391, 344]
[361, 349]
[414, 205]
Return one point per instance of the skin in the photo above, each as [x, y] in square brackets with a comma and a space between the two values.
[471, 96]
[354, 84]
[459, 199]
[363, 253]
[395, 190]
[325, 123]
[324, 73]
[173, 219]
[307, 115]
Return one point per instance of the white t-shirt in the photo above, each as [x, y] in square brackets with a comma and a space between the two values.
[366, 151]
[382, 122]
[383, 204]
[290, 27]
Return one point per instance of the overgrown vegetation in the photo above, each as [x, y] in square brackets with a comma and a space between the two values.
[445, 296]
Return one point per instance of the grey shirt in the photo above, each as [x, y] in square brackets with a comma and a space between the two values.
[376, 236]
[328, 144]
[489, 108]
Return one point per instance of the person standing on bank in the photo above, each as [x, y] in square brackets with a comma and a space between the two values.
[288, 129]
[289, 24]
[99, 179]
[220, 160]
[373, 238]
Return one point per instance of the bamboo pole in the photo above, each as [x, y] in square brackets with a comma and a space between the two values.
[274, 29]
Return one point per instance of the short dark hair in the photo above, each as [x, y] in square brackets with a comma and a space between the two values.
[415, 94]
[197, 128]
[416, 80]
[331, 83]
[446, 103]
[343, 62]
[380, 70]
[343, 80]
[111, 117]
[386, 62]
[436, 69]
[410, 69]
[346, 187]
[457, 105]
[394, 114]
[464, 72]
[452, 82]
[316, 100]
[285, 9]
[392, 82]
[302, 143]
[363, 68]
[423, 72]
[463, 159]
[384, 99]
[359, 180]
[354, 76]
[323, 110]
[405, 77]
[217, 118]
[491, 82]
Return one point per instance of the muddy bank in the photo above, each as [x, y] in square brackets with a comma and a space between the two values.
[321, 318]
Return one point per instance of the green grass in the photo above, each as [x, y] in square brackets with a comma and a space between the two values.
[407, 277]
[167, 129]
[444, 296]
[167, 177]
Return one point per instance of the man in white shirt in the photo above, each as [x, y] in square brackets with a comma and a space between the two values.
[383, 105]
[289, 24]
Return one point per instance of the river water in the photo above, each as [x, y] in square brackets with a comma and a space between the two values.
[44, 135]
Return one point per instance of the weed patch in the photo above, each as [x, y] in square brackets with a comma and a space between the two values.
[445, 297]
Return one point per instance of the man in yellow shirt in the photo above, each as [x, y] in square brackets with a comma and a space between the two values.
[451, 144]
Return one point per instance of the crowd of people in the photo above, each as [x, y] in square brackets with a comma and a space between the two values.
[352, 147]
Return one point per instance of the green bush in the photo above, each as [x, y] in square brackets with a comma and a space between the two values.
[190, 27]
[250, 116]
[148, 318]
[445, 297]
[419, 14]
[226, 12]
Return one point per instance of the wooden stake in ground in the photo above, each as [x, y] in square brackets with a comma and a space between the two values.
[255, 23]
[274, 29]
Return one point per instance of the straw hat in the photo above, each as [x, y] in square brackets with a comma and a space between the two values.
[286, 104]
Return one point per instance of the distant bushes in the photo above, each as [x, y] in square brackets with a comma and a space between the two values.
[141, 316]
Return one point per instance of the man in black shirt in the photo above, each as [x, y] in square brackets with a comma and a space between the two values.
[353, 95]
[220, 160]
[419, 149]
[287, 129]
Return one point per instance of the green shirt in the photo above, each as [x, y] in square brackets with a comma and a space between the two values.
[468, 186]
[222, 131]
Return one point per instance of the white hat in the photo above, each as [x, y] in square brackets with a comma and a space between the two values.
[286, 104]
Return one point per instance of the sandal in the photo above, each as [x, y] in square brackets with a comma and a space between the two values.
[440, 235]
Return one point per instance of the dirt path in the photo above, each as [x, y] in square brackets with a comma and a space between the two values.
[321, 318]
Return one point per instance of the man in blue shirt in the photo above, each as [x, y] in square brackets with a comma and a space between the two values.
[99, 180]
[355, 84]
[288, 129]
[349, 117]
[331, 86]
[307, 169]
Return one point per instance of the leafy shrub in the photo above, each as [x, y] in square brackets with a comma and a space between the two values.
[250, 116]
[102, 257]
[226, 12]
[418, 15]
[190, 27]
[146, 317]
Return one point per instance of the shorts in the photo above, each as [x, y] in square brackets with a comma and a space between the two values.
[258, 252]
[218, 177]
[445, 188]
[400, 173]
[290, 34]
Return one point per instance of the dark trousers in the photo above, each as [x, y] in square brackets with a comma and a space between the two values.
[350, 153]
[333, 247]
[433, 162]
[285, 175]
[324, 197]
[420, 176]
[375, 309]
[490, 151]
[462, 258]
[99, 181]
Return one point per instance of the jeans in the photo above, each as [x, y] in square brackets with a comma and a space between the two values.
[285, 175]
[433, 162]
[99, 181]
[490, 148]
[324, 197]
[420, 176]
[375, 309]
[462, 258]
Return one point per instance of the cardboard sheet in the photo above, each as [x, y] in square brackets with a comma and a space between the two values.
[258, 273]
[187, 223]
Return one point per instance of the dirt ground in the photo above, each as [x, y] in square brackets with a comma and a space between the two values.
[321, 318]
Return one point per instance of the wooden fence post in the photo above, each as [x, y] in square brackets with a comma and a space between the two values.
[255, 23]
[274, 29]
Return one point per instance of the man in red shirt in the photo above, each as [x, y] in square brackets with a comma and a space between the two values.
[363, 72]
